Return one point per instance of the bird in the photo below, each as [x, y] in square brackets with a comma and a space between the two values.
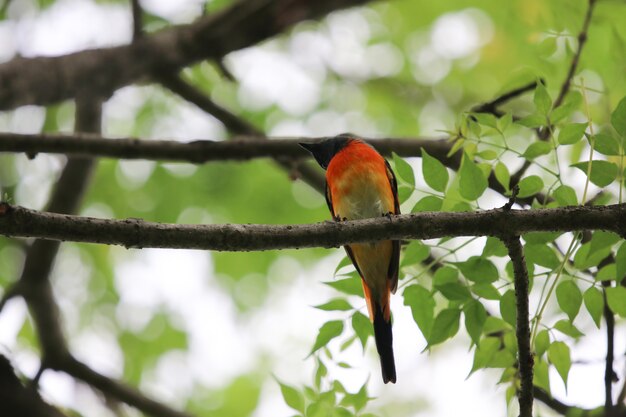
[360, 184]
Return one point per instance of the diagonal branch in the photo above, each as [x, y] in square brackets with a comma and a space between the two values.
[47, 80]
[582, 39]
[17, 221]
[525, 360]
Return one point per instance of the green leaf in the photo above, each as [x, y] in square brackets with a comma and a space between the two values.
[328, 331]
[530, 186]
[454, 291]
[445, 326]
[508, 309]
[488, 155]
[350, 286]
[505, 121]
[404, 192]
[594, 303]
[472, 181]
[618, 118]
[446, 275]
[542, 255]
[565, 196]
[607, 273]
[337, 304]
[422, 307]
[362, 327]
[602, 172]
[533, 121]
[486, 291]
[486, 119]
[293, 398]
[475, 316]
[342, 264]
[572, 133]
[572, 102]
[484, 352]
[541, 376]
[616, 299]
[428, 203]
[502, 175]
[566, 327]
[542, 100]
[494, 247]
[536, 149]
[559, 356]
[404, 170]
[435, 173]
[583, 260]
[479, 270]
[601, 240]
[569, 298]
[415, 253]
[606, 144]
[542, 342]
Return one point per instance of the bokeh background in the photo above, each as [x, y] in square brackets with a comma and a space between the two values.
[213, 332]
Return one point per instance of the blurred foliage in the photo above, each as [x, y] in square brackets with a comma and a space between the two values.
[426, 85]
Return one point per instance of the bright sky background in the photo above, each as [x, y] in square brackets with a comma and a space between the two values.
[182, 282]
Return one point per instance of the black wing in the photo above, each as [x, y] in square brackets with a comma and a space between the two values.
[394, 264]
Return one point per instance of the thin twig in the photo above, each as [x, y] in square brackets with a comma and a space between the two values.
[492, 106]
[582, 39]
[526, 360]
[21, 222]
[609, 373]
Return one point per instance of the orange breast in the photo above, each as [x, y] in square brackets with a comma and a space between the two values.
[358, 183]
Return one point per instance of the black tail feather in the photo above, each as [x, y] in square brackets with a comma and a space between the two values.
[384, 345]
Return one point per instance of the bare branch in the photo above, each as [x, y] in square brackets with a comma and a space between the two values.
[137, 19]
[525, 356]
[609, 373]
[18, 400]
[200, 151]
[113, 388]
[47, 80]
[17, 221]
[556, 405]
[492, 106]
[582, 39]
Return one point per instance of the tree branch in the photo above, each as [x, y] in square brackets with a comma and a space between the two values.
[137, 19]
[240, 148]
[582, 39]
[609, 373]
[17, 221]
[239, 126]
[18, 400]
[525, 361]
[47, 80]
[492, 106]
[110, 387]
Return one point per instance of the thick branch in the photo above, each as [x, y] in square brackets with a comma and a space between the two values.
[240, 148]
[115, 389]
[17, 221]
[525, 357]
[609, 373]
[47, 80]
[18, 400]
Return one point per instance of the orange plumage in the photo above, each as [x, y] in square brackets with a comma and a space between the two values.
[359, 185]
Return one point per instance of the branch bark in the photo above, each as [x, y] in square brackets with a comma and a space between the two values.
[200, 151]
[522, 326]
[17, 221]
[47, 80]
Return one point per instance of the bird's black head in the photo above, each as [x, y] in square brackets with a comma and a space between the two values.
[324, 151]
